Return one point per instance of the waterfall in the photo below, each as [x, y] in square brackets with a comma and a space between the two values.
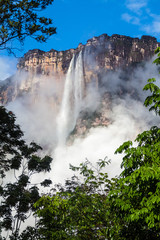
[71, 100]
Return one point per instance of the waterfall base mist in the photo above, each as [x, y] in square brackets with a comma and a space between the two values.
[101, 142]
[50, 124]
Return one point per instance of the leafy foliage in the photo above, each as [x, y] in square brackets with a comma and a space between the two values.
[127, 207]
[154, 99]
[20, 19]
[136, 199]
[19, 161]
[77, 210]
[135, 202]
[11, 142]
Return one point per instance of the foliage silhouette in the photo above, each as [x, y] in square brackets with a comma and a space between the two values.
[20, 19]
[19, 161]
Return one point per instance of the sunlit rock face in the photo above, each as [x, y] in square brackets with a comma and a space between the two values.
[107, 52]
[100, 55]
[46, 63]
[59, 97]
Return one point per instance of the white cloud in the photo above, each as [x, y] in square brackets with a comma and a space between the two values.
[136, 6]
[153, 28]
[128, 118]
[131, 19]
[141, 15]
[136, 11]
[7, 67]
[152, 15]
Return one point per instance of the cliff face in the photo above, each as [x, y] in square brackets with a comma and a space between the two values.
[107, 52]
[105, 67]
[100, 55]
[7, 90]
[46, 63]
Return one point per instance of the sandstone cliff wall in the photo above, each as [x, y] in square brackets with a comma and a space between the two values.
[100, 55]
[106, 52]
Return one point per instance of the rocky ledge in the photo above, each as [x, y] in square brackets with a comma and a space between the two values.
[100, 55]
[108, 52]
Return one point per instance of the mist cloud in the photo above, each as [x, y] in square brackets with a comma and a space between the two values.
[38, 118]
[7, 66]
[37, 107]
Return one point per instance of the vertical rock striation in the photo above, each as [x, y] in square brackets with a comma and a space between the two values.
[100, 55]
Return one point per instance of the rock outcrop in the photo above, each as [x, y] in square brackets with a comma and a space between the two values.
[100, 55]
[107, 52]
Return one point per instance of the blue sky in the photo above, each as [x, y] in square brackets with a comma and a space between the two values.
[77, 21]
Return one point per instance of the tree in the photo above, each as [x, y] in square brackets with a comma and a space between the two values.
[124, 208]
[76, 210]
[21, 161]
[20, 19]
[154, 99]
[135, 201]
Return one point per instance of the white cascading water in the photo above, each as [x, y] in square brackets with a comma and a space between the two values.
[78, 86]
[71, 100]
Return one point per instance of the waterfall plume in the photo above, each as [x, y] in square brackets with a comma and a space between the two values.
[71, 99]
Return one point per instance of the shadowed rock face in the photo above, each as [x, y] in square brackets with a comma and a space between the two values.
[100, 55]
[107, 52]
[107, 68]
[7, 89]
